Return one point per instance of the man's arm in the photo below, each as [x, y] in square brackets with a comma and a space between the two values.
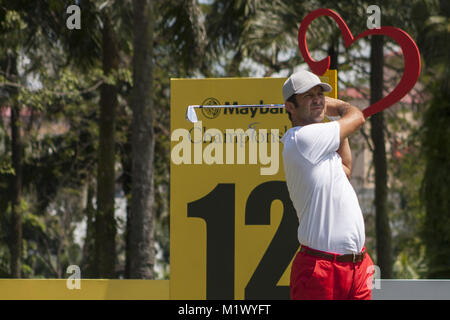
[351, 120]
[346, 156]
[351, 117]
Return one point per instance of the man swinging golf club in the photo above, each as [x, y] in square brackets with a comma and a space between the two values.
[332, 262]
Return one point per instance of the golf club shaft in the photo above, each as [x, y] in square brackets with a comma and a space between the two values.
[238, 106]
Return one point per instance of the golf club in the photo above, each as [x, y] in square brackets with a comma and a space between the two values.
[192, 116]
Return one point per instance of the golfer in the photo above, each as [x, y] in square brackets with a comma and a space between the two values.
[332, 262]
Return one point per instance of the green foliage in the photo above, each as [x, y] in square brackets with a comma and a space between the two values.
[59, 144]
[407, 213]
[436, 184]
[58, 83]
[434, 32]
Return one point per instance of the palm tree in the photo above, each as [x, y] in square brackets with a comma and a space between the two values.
[377, 127]
[141, 252]
[254, 29]
[433, 25]
[100, 42]
[154, 23]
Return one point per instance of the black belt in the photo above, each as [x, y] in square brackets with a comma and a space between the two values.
[352, 257]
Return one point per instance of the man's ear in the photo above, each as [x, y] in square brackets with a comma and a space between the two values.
[289, 106]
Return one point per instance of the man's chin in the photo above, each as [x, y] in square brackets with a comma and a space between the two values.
[319, 119]
[311, 120]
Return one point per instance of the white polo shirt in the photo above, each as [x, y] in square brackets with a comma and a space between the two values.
[330, 218]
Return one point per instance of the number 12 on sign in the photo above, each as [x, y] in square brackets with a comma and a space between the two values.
[217, 209]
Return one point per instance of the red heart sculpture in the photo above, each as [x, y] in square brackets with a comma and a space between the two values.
[410, 51]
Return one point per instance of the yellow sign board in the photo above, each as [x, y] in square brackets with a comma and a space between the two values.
[89, 289]
[233, 229]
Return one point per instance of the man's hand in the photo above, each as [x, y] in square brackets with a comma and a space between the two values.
[332, 106]
[351, 117]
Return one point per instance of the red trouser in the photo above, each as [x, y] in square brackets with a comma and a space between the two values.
[315, 278]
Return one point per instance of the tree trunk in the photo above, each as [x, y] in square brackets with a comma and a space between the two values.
[105, 224]
[436, 182]
[383, 232]
[15, 246]
[88, 263]
[15, 182]
[233, 67]
[141, 253]
[333, 52]
[126, 180]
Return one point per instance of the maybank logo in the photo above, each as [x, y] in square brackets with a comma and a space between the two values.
[211, 113]
[235, 109]
[252, 111]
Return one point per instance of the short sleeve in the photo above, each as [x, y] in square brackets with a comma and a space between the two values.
[315, 141]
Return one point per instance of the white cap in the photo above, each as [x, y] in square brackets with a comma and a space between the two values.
[302, 81]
